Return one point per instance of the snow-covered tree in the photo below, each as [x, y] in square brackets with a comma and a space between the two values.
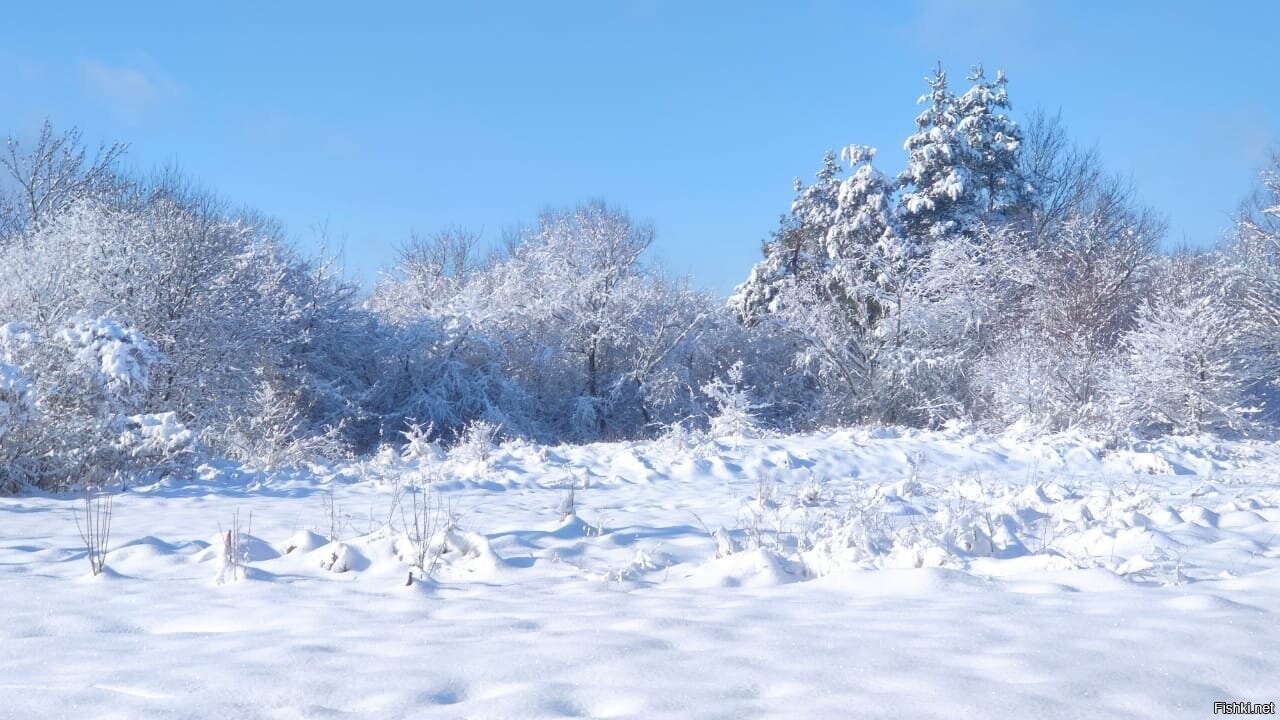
[963, 167]
[569, 334]
[1075, 265]
[1254, 254]
[938, 194]
[40, 180]
[991, 142]
[827, 280]
[1183, 363]
[798, 250]
[864, 241]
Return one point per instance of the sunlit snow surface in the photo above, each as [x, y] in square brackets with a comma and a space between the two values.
[844, 575]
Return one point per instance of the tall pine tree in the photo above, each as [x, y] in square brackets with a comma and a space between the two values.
[962, 161]
[937, 191]
[991, 142]
[797, 250]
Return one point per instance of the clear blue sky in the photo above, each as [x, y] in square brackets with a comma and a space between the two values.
[379, 118]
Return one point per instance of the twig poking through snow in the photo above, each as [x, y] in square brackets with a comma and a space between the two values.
[95, 530]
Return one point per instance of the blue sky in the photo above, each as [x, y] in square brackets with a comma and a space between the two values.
[380, 118]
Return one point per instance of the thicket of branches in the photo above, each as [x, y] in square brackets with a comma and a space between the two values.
[1002, 278]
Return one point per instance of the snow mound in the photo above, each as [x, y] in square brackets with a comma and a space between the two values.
[751, 568]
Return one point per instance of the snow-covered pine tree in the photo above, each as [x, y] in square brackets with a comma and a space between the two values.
[830, 282]
[797, 250]
[864, 226]
[963, 167]
[870, 267]
[991, 144]
[937, 198]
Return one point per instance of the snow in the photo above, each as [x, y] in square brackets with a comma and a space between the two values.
[13, 393]
[119, 353]
[840, 574]
[155, 434]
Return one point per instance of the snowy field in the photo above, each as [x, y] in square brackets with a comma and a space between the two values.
[855, 574]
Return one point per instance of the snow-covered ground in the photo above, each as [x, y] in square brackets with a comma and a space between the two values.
[849, 574]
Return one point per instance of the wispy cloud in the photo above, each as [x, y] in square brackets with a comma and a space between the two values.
[130, 92]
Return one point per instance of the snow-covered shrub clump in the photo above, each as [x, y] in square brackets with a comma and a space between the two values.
[118, 354]
[419, 446]
[964, 524]
[567, 334]
[734, 411]
[14, 389]
[475, 446]
[1181, 370]
[118, 269]
[683, 438]
[70, 401]
[276, 430]
[157, 441]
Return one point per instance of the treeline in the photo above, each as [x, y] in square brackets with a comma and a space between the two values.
[1002, 278]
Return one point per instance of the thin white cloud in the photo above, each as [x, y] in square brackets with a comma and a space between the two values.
[130, 92]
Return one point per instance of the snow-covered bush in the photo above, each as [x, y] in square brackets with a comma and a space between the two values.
[157, 441]
[419, 446]
[15, 411]
[214, 292]
[683, 438]
[565, 335]
[475, 444]
[1037, 384]
[734, 412]
[950, 525]
[14, 397]
[1184, 369]
[117, 354]
[68, 398]
[275, 432]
